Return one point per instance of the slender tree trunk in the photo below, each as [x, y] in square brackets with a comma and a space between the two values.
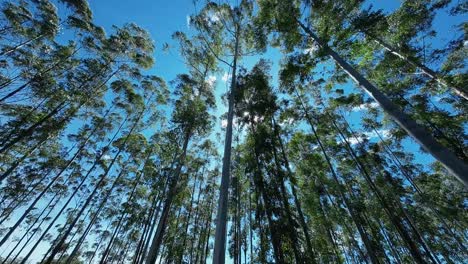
[137, 181]
[94, 218]
[158, 236]
[403, 170]
[98, 158]
[108, 249]
[98, 246]
[153, 225]
[187, 224]
[208, 234]
[205, 234]
[25, 258]
[392, 247]
[146, 230]
[250, 228]
[275, 240]
[142, 237]
[357, 220]
[221, 218]
[197, 219]
[451, 162]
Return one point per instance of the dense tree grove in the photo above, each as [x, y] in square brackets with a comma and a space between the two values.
[349, 148]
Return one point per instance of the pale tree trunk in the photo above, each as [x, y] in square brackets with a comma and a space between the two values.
[221, 217]
[453, 164]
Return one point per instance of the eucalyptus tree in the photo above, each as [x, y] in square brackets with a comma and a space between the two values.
[285, 18]
[141, 105]
[124, 88]
[190, 119]
[122, 53]
[227, 31]
[257, 107]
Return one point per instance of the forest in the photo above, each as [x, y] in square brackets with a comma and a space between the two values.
[292, 131]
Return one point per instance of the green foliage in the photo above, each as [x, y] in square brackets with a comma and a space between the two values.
[97, 154]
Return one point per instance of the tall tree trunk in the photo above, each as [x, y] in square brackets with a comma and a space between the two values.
[390, 243]
[101, 206]
[205, 233]
[98, 246]
[198, 217]
[94, 218]
[221, 218]
[250, 227]
[187, 222]
[408, 177]
[451, 162]
[107, 251]
[148, 228]
[153, 226]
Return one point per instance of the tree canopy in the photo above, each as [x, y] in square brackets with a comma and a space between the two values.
[339, 136]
